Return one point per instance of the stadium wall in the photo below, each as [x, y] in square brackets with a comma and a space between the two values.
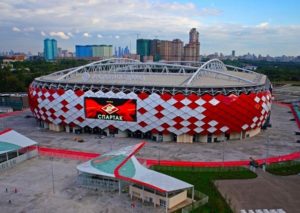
[179, 117]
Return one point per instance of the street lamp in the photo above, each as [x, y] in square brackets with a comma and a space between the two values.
[52, 174]
[223, 150]
[267, 149]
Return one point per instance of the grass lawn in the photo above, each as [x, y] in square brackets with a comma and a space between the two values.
[203, 180]
[284, 168]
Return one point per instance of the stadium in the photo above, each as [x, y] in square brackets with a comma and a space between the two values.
[163, 101]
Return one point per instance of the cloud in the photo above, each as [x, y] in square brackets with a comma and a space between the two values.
[61, 35]
[43, 33]
[86, 35]
[95, 20]
[28, 29]
[210, 12]
[16, 29]
[117, 36]
[263, 25]
[148, 18]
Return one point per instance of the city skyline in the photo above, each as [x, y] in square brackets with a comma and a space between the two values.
[259, 27]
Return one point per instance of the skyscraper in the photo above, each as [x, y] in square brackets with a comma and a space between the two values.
[90, 51]
[192, 49]
[143, 47]
[170, 50]
[176, 50]
[50, 49]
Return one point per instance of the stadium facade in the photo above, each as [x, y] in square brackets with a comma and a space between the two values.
[174, 101]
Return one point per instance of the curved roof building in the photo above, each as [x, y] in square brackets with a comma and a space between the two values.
[180, 101]
[120, 169]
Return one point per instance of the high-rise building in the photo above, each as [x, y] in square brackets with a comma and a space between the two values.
[165, 50]
[170, 50]
[89, 51]
[233, 53]
[192, 49]
[176, 50]
[155, 49]
[50, 49]
[143, 47]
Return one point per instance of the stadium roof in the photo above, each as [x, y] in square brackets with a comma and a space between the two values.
[122, 164]
[11, 140]
[123, 72]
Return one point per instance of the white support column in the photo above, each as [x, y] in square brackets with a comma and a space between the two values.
[119, 187]
[167, 203]
[193, 193]
[6, 156]
[154, 198]
[143, 195]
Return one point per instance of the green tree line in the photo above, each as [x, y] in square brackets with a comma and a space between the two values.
[23, 73]
[18, 77]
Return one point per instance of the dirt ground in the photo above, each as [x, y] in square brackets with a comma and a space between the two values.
[267, 191]
[33, 180]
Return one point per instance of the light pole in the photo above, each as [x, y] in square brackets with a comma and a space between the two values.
[223, 151]
[267, 149]
[52, 175]
[158, 156]
[157, 147]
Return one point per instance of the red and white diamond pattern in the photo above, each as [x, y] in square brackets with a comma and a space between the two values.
[158, 113]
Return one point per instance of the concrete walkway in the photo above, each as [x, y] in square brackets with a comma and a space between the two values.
[267, 191]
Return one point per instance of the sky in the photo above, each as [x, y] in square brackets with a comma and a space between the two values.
[255, 26]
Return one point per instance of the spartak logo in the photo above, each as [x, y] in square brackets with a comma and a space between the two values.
[110, 109]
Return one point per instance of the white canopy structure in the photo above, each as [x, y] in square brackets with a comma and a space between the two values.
[122, 164]
[11, 140]
[15, 148]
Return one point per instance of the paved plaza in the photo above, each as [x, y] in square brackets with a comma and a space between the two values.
[282, 140]
[33, 181]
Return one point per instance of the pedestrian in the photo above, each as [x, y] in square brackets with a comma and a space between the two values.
[9, 201]
[6, 190]
[16, 190]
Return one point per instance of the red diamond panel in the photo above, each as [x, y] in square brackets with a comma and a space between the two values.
[79, 92]
[179, 97]
[142, 124]
[65, 109]
[178, 105]
[142, 110]
[178, 126]
[64, 102]
[193, 105]
[80, 119]
[178, 119]
[78, 106]
[159, 108]
[192, 119]
[165, 125]
[166, 96]
[143, 95]
[159, 115]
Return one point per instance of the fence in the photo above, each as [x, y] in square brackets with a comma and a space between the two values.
[79, 155]
[200, 169]
[200, 200]
[68, 154]
[152, 162]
